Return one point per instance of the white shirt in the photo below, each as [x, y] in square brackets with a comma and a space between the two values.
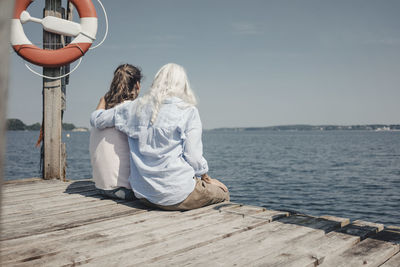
[109, 155]
[166, 155]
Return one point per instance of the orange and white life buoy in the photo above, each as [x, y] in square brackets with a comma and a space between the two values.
[85, 33]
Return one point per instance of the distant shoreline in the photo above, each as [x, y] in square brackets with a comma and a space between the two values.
[18, 125]
[305, 127]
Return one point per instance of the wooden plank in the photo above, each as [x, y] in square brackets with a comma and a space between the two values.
[343, 221]
[269, 239]
[15, 196]
[393, 261]
[373, 251]
[150, 238]
[29, 183]
[35, 183]
[234, 249]
[312, 222]
[66, 199]
[33, 195]
[308, 249]
[163, 218]
[67, 220]
[115, 226]
[61, 187]
[26, 188]
[31, 186]
[330, 245]
[25, 246]
[321, 249]
[41, 193]
[67, 188]
[160, 238]
[20, 182]
[259, 212]
[168, 216]
[53, 211]
[362, 229]
[57, 186]
[369, 252]
[50, 197]
[286, 259]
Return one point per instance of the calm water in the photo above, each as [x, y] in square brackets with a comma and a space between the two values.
[352, 174]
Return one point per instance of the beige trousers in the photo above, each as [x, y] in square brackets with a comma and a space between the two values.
[204, 194]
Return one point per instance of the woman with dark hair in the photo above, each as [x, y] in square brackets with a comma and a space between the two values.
[168, 170]
[109, 148]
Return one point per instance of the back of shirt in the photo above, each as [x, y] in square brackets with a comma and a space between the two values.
[162, 170]
[109, 155]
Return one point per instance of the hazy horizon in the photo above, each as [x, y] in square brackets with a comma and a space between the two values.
[263, 126]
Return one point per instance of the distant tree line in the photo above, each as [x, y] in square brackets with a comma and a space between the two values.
[18, 125]
[301, 127]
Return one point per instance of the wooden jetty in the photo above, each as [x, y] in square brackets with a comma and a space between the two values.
[55, 223]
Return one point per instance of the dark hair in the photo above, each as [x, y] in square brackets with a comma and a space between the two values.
[123, 86]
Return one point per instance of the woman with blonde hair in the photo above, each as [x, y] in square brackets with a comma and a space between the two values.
[109, 149]
[164, 134]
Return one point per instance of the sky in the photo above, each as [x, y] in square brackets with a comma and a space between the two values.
[251, 63]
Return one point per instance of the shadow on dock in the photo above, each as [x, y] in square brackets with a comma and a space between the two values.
[88, 189]
[361, 229]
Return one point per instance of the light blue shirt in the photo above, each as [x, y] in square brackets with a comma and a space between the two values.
[165, 156]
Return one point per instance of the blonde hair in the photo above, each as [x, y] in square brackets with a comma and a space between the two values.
[123, 86]
[171, 80]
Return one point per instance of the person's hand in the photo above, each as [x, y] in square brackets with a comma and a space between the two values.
[209, 180]
[206, 178]
[219, 184]
[102, 104]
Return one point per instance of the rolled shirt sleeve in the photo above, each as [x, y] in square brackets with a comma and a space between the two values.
[193, 146]
[101, 118]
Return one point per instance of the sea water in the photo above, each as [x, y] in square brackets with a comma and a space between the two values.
[351, 174]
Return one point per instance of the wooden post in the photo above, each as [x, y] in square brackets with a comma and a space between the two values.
[54, 163]
[5, 19]
[65, 40]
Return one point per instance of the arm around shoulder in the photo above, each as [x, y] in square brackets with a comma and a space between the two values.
[101, 118]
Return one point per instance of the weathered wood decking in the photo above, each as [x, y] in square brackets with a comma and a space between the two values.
[53, 223]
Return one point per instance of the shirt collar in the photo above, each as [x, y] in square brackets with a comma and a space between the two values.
[171, 100]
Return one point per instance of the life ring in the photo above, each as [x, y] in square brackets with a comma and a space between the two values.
[59, 57]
